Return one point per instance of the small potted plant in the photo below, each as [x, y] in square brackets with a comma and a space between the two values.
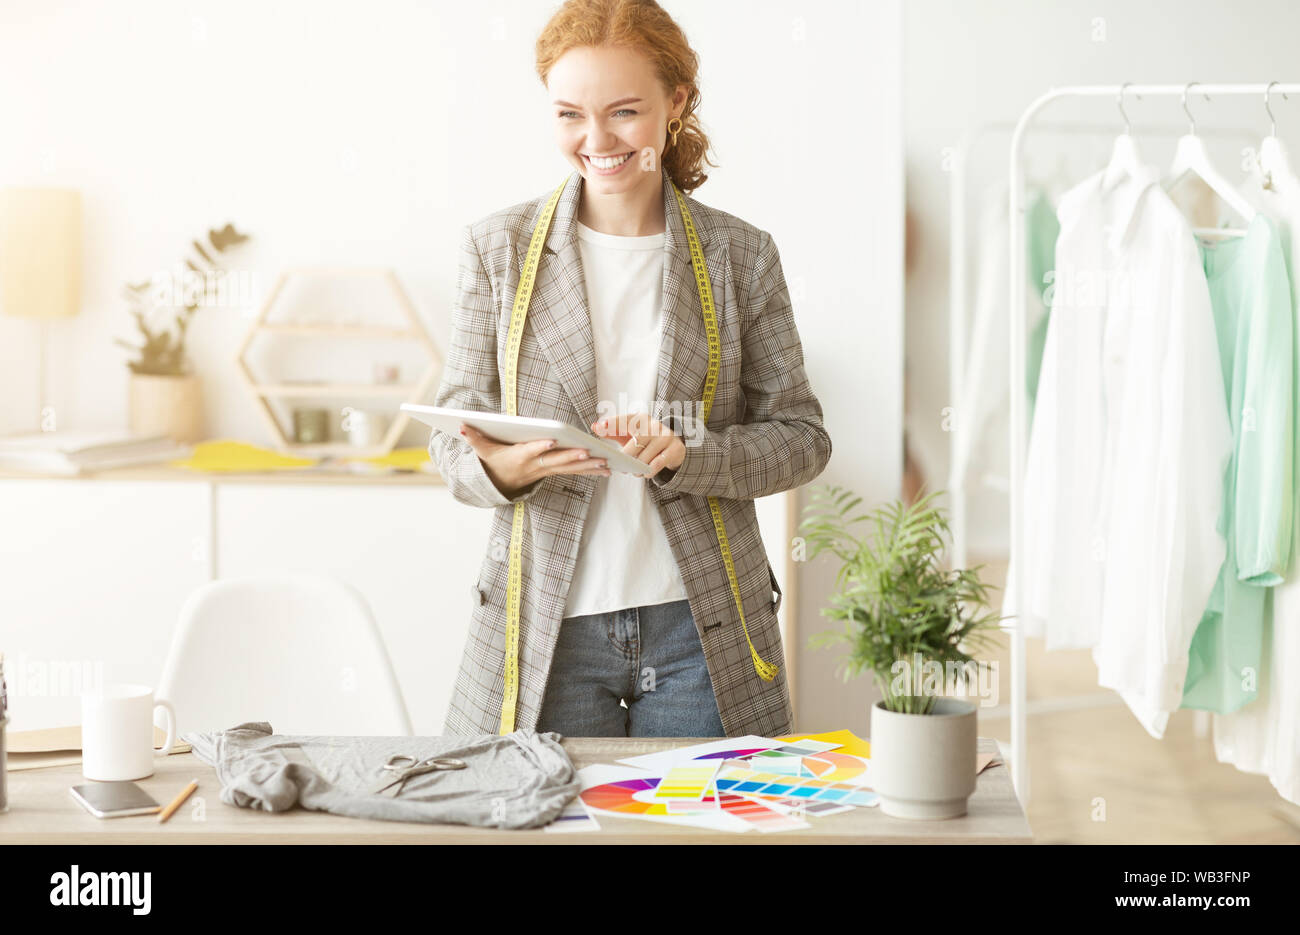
[913, 624]
[164, 395]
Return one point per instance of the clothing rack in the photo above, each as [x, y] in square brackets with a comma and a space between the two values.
[957, 313]
[1017, 287]
[958, 289]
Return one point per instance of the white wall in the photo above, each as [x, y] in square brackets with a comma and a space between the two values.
[367, 134]
[970, 63]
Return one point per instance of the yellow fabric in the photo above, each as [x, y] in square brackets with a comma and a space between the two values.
[226, 454]
[412, 458]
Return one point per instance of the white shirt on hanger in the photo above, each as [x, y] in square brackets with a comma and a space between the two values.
[981, 449]
[624, 559]
[1124, 474]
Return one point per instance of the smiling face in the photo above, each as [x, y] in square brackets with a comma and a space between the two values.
[608, 104]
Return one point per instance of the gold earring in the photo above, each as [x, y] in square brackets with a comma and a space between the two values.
[678, 121]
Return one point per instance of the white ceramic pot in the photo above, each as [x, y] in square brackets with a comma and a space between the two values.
[923, 765]
[164, 405]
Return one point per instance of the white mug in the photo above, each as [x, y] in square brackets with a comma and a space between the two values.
[117, 732]
[366, 429]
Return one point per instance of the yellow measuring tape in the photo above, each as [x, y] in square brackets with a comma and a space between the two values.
[766, 670]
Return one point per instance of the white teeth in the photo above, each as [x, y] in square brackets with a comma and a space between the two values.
[609, 163]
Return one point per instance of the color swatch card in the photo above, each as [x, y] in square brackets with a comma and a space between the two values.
[831, 766]
[804, 748]
[724, 749]
[686, 806]
[759, 815]
[774, 762]
[845, 741]
[574, 817]
[841, 767]
[757, 783]
[687, 781]
[807, 808]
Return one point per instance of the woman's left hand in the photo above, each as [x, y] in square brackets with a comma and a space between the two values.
[645, 439]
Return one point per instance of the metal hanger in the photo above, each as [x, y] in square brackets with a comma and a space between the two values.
[1124, 158]
[1274, 166]
[1191, 157]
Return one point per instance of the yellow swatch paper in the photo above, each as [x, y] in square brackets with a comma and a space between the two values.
[849, 742]
[687, 781]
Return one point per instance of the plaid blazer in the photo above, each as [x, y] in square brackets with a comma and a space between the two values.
[764, 436]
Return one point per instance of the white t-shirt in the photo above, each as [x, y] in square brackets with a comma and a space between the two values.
[624, 559]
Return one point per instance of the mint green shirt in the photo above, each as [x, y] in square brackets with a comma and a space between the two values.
[1041, 230]
[1253, 321]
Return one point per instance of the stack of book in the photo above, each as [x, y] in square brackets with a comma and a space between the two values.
[80, 452]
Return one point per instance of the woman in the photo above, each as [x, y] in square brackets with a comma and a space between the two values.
[625, 620]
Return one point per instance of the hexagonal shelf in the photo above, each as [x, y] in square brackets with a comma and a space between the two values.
[262, 393]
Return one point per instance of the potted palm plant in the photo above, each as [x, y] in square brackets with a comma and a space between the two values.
[913, 625]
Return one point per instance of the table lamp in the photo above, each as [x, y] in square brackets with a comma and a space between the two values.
[40, 262]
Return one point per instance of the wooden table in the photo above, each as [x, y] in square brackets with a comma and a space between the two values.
[41, 811]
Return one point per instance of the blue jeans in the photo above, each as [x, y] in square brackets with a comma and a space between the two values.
[647, 658]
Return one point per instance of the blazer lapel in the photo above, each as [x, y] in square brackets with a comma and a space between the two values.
[561, 317]
[558, 312]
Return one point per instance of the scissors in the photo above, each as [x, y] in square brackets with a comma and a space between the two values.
[404, 767]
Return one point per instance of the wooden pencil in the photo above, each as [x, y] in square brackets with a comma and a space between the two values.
[176, 802]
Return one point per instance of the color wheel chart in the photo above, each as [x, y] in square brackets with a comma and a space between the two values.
[836, 767]
[827, 777]
[735, 784]
[731, 754]
[634, 798]
[621, 797]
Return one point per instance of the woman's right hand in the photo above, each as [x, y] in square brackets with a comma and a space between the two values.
[512, 468]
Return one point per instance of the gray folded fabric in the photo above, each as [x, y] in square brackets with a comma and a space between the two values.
[518, 780]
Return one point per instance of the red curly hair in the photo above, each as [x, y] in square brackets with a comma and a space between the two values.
[641, 25]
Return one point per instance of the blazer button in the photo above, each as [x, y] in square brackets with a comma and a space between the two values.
[477, 595]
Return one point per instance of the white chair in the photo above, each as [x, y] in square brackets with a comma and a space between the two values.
[299, 651]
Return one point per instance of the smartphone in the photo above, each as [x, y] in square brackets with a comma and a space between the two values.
[114, 799]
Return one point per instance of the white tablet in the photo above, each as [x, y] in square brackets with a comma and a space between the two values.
[514, 429]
